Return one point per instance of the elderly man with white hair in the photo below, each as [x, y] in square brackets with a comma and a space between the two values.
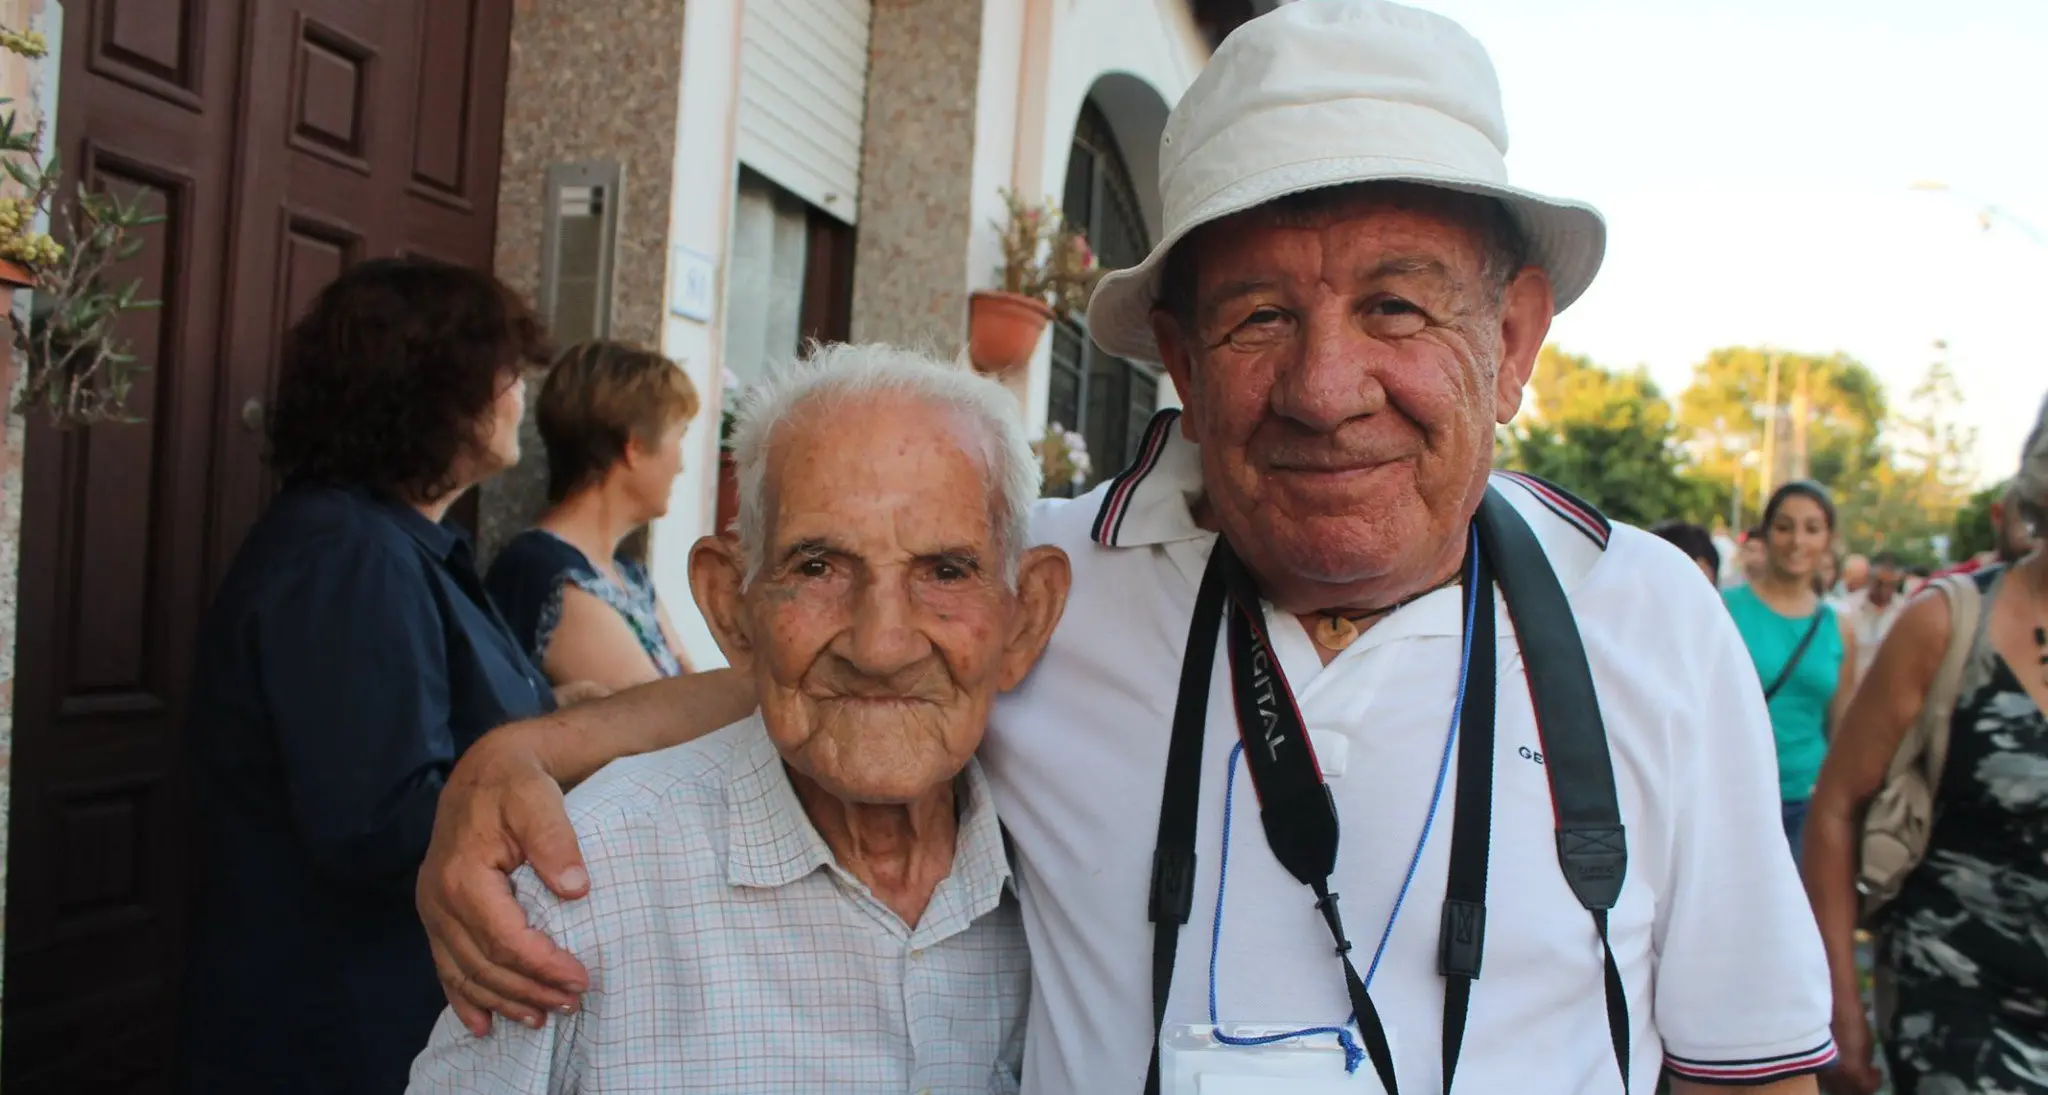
[1309, 609]
[816, 898]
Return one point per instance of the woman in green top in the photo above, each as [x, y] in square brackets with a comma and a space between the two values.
[1805, 655]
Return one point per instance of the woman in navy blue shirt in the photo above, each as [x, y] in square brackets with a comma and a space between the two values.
[612, 417]
[350, 655]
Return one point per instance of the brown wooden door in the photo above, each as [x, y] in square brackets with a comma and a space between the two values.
[284, 140]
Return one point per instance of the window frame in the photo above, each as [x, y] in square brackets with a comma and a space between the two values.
[1107, 399]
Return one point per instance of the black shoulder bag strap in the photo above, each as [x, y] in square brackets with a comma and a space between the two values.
[1173, 857]
[1819, 614]
[1591, 848]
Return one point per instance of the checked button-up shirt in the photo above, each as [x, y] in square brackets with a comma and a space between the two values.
[729, 953]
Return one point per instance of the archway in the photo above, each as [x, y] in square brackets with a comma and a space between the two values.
[1111, 193]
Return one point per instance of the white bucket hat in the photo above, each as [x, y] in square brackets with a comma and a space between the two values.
[1325, 92]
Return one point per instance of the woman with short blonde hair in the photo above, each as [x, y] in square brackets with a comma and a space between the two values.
[612, 417]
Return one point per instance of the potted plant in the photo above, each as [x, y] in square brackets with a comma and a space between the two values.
[728, 506]
[1048, 269]
[76, 368]
[1063, 458]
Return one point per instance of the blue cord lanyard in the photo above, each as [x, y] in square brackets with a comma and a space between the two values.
[1353, 1055]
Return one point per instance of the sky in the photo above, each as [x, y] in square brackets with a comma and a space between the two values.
[1756, 162]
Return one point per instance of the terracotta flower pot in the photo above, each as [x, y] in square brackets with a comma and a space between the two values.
[728, 492]
[1003, 330]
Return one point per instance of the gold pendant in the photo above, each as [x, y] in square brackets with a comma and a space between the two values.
[1335, 632]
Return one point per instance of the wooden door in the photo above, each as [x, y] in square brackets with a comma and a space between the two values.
[284, 140]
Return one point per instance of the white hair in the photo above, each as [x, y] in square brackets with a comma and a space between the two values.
[841, 372]
[2030, 486]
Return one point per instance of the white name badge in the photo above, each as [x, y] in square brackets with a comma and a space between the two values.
[1193, 1062]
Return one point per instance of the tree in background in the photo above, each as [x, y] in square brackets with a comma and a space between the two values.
[1722, 417]
[1909, 501]
[1972, 530]
[1901, 480]
[1606, 435]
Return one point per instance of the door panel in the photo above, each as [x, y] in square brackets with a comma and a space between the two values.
[284, 141]
[112, 533]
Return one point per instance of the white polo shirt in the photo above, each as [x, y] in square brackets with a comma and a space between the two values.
[1723, 966]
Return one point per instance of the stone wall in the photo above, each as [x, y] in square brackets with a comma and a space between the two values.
[910, 274]
[27, 83]
[588, 81]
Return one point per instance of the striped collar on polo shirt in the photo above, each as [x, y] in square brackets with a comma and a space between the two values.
[1152, 500]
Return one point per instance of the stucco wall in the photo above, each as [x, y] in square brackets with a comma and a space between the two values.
[587, 82]
[705, 171]
[910, 277]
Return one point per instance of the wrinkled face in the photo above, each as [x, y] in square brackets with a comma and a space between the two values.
[651, 472]
[1798, 536]
[880, 629]
[1855, 573]
[1343, 375]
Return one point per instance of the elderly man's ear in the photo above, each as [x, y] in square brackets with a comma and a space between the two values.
[1524, 324]
[716, 572]
[1043, 578]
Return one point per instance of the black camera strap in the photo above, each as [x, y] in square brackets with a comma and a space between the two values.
[1299, 815]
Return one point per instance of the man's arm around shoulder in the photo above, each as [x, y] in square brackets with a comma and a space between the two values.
[512, 1059]
[503, 806]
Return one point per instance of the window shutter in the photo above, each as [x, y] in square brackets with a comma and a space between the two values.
[803, 97]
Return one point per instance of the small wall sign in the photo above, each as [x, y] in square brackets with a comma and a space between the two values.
[690, 276]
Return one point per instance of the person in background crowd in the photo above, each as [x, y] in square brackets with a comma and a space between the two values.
[880, 594]
[1825, 571]
[1697, 544]
[350, 655]
[1962, 946]
[2012, 536]
[2016, 526]
[1730, 551]
[1855, 573]
[612, 417]
[1872, 611]
[1350, 299]
[1804, 653]
[1753, 554]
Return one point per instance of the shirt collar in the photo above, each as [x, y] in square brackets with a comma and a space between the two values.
[773, 843]
[1151, 503]
[439, 540]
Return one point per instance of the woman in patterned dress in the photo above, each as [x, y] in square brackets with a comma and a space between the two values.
[612, 417]
[1964, 946]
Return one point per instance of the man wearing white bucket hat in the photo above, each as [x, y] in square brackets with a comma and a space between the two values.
[1561, 861]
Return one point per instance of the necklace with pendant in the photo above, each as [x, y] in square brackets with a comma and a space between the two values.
[1335, 631]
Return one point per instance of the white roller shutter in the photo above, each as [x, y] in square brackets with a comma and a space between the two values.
[803, 95]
